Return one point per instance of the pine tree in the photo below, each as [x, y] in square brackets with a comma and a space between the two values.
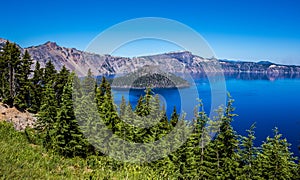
[60, 81]
[89, 84]
[106, 106]
[275, 161]
[247, 155]
[37, 89]
[10, 60]
[100, 91]
[49, 72]
[143, 106]
[174, 117]
[86, 112]
[69, 139]
[4, 85]
[122, 107]
[22, 99]
[227, 144]
[220, 157]
[139, 108]
[47, 116]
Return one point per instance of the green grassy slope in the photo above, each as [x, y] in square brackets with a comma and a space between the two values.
[22, 160]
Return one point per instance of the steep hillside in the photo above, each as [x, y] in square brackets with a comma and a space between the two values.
[176, 62]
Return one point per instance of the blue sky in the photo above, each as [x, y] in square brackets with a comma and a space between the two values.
[245, 30]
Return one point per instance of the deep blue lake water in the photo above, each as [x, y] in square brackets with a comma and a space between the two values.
[267, 101]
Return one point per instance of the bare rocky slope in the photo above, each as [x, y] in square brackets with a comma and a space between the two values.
[19, 119]
[175, 62]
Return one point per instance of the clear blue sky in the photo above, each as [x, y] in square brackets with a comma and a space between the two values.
[246, 30]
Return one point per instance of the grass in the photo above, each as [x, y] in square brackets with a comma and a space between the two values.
[21, 160]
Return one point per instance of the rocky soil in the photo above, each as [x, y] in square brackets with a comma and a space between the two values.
[19, 119]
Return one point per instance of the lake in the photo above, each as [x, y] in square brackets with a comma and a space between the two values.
[268, 101]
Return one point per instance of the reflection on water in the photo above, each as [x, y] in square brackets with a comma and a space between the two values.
[248, 76]
[262, 76]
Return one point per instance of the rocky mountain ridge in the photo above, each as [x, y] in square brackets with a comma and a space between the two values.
[175, 62]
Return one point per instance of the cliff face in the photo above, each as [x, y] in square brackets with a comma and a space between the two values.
[260, 67]
[177, 62]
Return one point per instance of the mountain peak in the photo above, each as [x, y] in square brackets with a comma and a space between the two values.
[3, 41]
[51, 44]
[265, 62]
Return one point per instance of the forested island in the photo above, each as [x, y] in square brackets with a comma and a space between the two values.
[56, 147]
[149, 76]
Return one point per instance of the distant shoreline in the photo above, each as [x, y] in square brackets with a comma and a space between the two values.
[142, 88]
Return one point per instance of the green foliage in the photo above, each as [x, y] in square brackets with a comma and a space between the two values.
[21, 160]
[248, 155]
[36, 88]
[47, 116]
[60, 82]
[59, 148]
[226, 144]
[49, 72]
[10, 61]
[149, 76]
[174, 117]
[68, 139]
[22, 99]
[275, 161]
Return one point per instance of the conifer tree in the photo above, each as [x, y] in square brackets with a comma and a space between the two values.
[22, 99]
[106, 106]
[10, 60]
[36, 88]
[174, 117]
[100, 91]
[60, 81]
[275, 161]
[143, 106]
[69, 139]
[140, 107]
[49, 72]
[127, 129]
[248, 154]
[4, 85]
[227, 144]
[85, 110]
[122, 107]
[47, 116]
[89, 83]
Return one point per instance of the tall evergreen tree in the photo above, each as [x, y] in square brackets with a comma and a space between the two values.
[174, 117]
[36, 92]
[101, 90]
[61, 80]
[122, 107]
[10, 60]
[89, 83]
[227, 144]
[248, 154]
[4, 85]
[275, 161]
[47, 116]
[69, 139]
[49, 72]
[22, 99]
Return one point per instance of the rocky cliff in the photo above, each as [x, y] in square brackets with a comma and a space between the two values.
[176, 62]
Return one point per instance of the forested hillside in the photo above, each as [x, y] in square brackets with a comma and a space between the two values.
[60, 147]
[149, 76]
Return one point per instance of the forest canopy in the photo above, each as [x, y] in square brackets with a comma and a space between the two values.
[61, 101]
